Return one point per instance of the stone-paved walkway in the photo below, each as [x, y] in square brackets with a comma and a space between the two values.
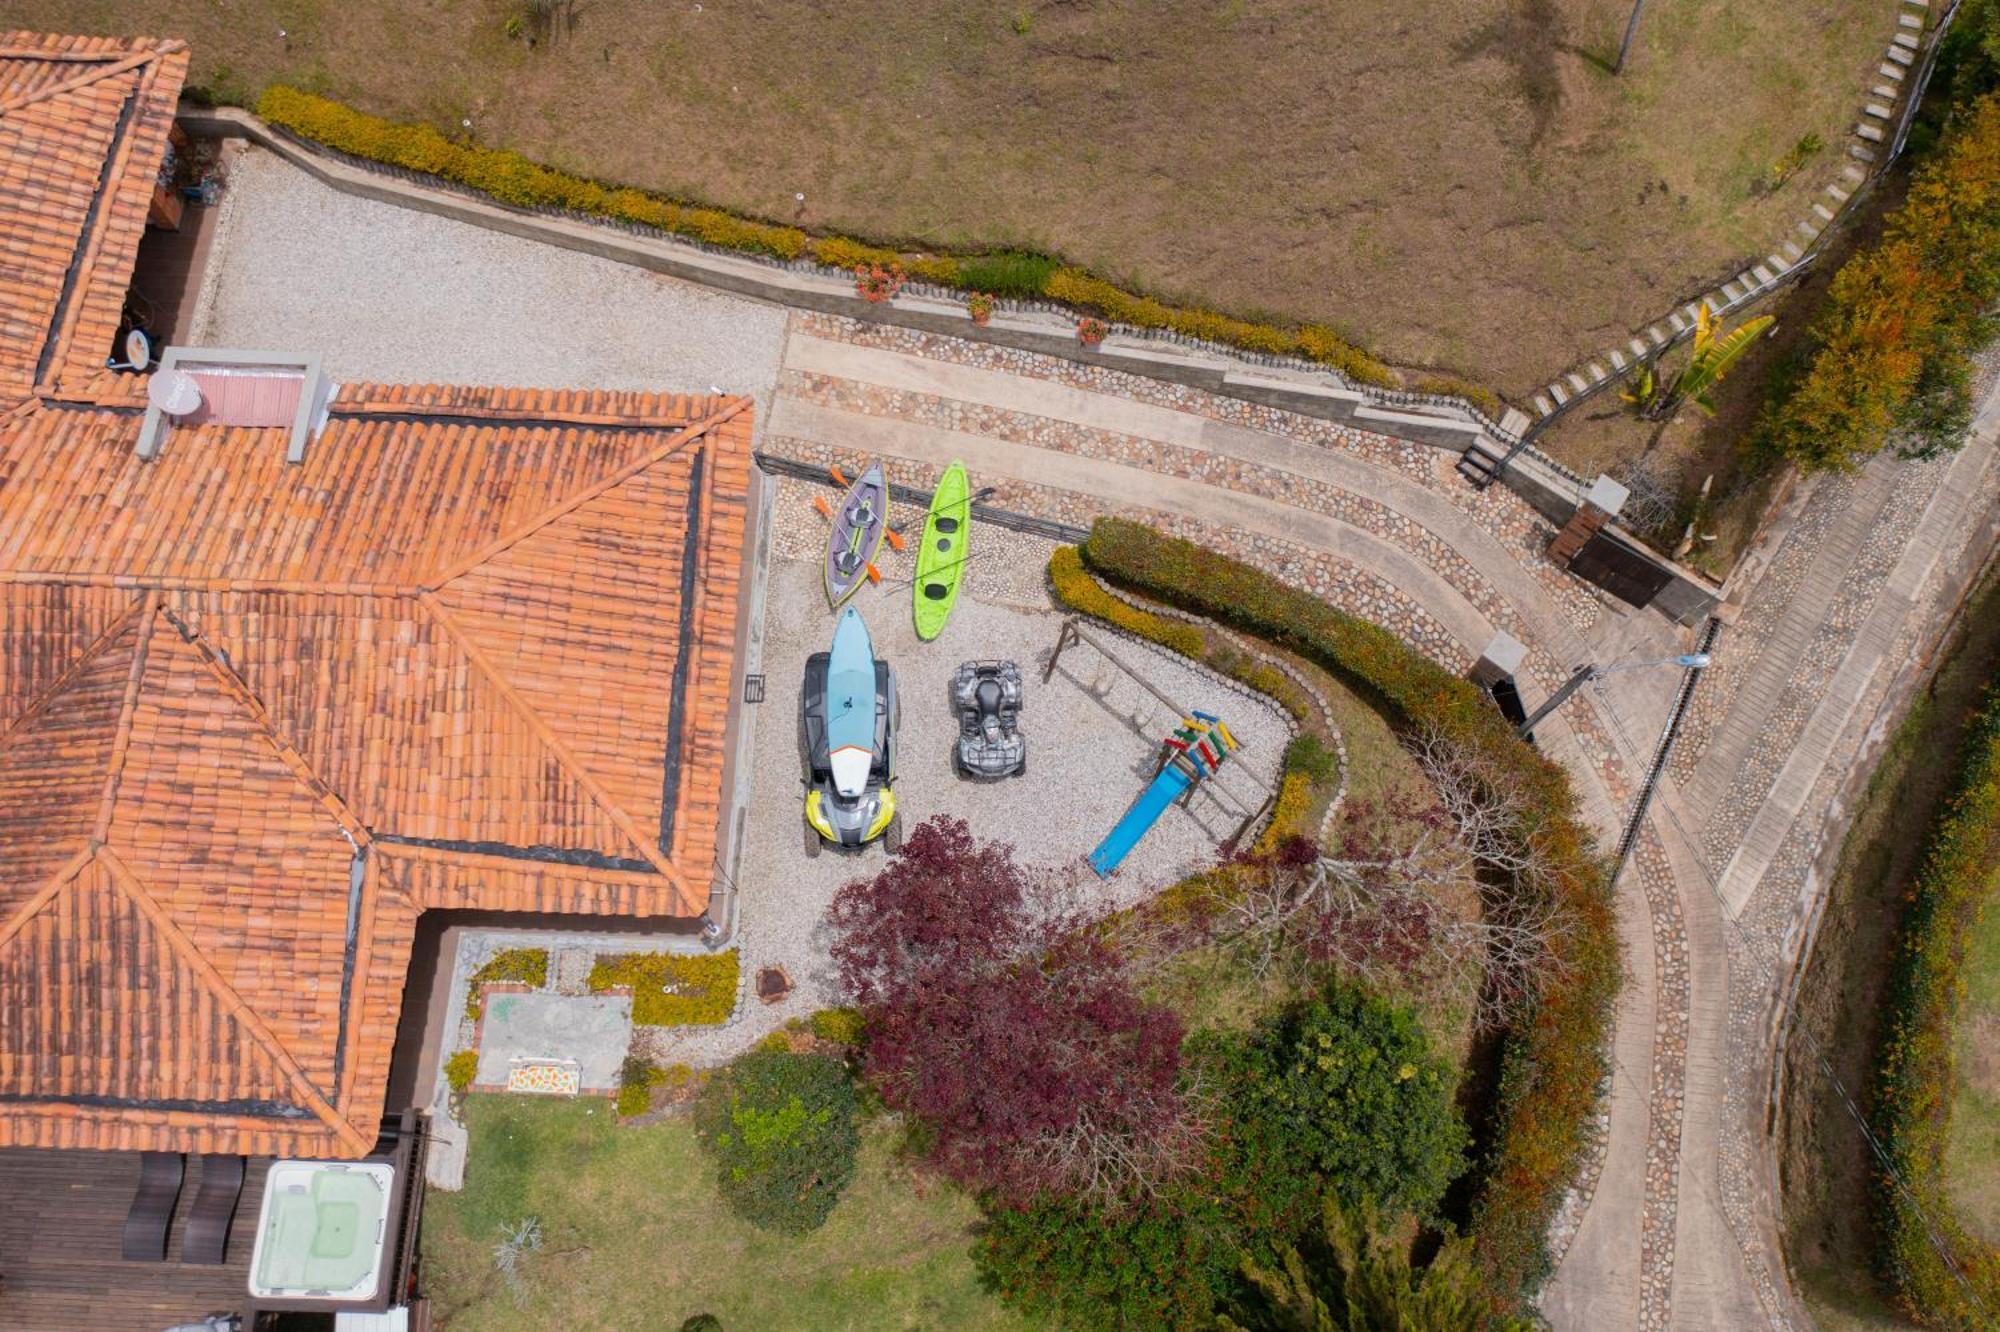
[1671, 1224]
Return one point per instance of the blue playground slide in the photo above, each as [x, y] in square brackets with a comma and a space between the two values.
[1145, 812]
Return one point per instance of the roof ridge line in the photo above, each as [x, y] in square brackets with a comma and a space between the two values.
[185, 583]
[260, 716]
[582, 775]
[38, 901]
[121, 738]
[90, 247]
[117, 66]
[678, 440]
[546, 414]
[233, 1003]
[555, 869]
[71, 671]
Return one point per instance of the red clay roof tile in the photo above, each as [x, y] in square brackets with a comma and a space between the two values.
[445, 651]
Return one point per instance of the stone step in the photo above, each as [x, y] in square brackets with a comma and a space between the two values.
[1871, 133]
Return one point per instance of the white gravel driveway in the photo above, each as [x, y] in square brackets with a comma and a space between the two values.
[397, 296]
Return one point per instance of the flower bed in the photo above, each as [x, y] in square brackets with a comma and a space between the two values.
[1916, 1071]
[523, 966]
[671, 989]
[513, 179]
[1555, 1061]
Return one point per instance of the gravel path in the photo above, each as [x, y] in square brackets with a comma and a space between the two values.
[1091, 735]
[397, 296]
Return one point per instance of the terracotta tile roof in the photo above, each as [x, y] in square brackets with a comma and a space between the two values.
[474, 652]
[83, 126]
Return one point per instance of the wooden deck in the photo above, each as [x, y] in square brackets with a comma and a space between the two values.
[61, 1217]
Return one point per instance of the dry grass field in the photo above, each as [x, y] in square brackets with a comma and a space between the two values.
[1459, 184]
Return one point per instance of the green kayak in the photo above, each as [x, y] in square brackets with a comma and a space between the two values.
[941, 559]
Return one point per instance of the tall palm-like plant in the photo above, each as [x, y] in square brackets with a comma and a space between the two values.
[1363, 1281]
[1660, 398]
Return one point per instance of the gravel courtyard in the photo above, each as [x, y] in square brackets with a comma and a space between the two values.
[397, 296]
[1092, 735]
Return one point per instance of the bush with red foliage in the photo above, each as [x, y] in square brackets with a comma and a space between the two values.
[1007, 1026]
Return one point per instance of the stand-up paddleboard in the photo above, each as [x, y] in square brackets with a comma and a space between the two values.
[941, 559]
[858, 526]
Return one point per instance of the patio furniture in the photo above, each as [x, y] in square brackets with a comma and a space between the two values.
[207, 1236]
[152, 1211]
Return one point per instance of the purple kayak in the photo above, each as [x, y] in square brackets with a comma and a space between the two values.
[859, 524]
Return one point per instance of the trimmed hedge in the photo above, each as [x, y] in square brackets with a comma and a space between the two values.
[1555, 1063]
[672, 989]
[513, 179]
[1915, 1070]
[1300, 790]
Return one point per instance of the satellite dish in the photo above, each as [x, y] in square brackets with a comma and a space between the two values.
[138, 349]
[174, 392]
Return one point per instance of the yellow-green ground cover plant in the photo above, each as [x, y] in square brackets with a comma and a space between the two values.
[672, 989]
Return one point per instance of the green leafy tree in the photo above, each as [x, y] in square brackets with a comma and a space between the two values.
[1344, 1093]
[781, 1128]
[1357, 1279]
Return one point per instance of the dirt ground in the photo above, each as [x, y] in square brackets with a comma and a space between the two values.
[1826, 1164]
[1458, 183]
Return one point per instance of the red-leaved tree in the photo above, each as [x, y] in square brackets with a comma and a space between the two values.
[1001, 1020]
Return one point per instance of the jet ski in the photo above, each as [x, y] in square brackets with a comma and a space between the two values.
[848, 717]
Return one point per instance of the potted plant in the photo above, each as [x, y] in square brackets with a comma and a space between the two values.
[980, 306]
[1090, 330]
[877, 283]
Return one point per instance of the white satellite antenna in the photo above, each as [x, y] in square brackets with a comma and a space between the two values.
[174, 392]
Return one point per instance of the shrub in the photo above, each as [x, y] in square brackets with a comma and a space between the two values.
[1340, 1093]
[461, 1069]
[672, 989]
[1915, 1069]
[1070, 1265]
[1918, 296]
[637, 1077]
[839, 1026]
[1451, 386]
[527, 966]
[781, 1129]
[1554, 1065]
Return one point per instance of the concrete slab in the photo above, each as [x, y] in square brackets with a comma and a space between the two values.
[593, 1030]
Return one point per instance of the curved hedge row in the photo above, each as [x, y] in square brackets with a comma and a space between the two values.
[1915, 1071]
[1299, 793]
[513, 179]
[1555, 1062]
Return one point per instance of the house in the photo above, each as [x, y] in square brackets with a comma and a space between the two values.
[280, 674]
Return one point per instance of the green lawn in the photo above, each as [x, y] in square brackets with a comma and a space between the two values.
[637, 1238]
[1459, 184]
